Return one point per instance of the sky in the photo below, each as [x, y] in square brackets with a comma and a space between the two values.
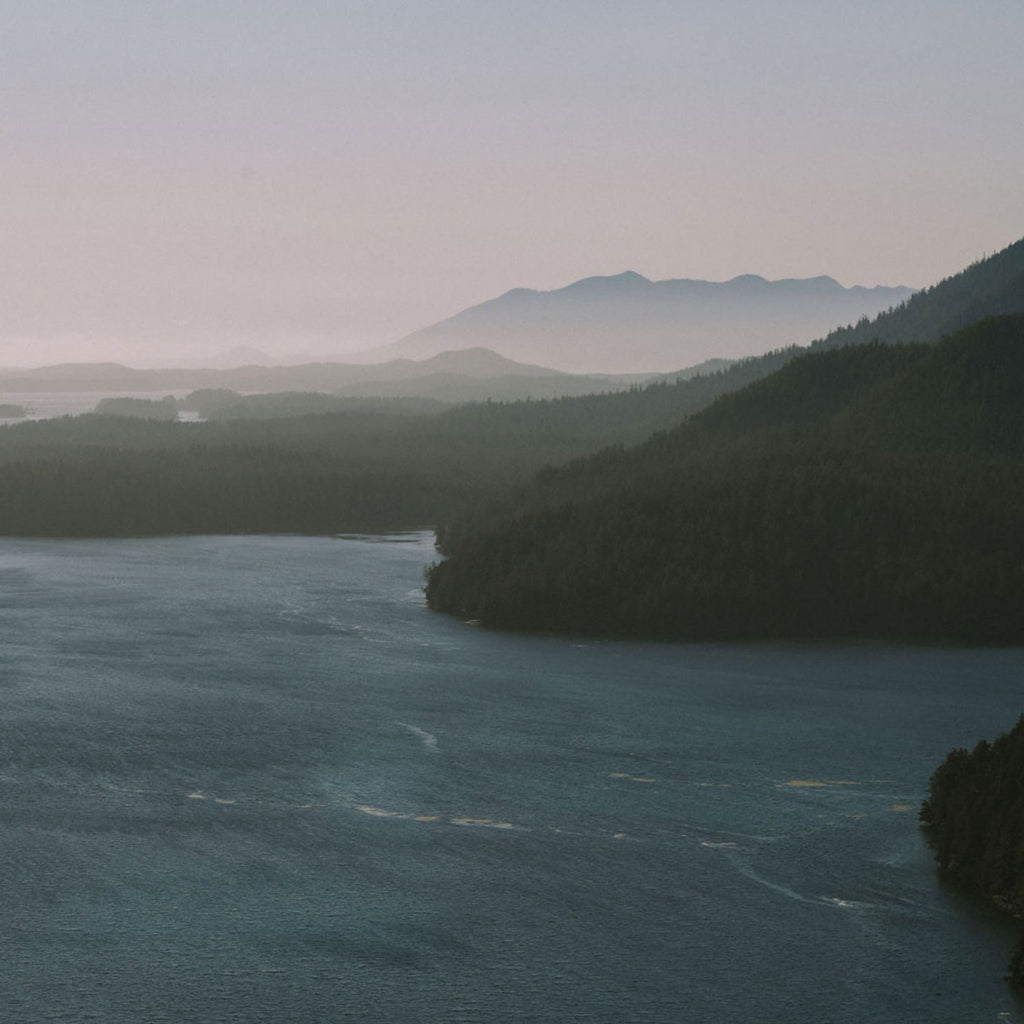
[323, 176]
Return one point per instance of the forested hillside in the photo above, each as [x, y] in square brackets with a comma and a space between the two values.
[875, 490]
[265, 464]
[376, 464]
[991, 287]
[974, 821]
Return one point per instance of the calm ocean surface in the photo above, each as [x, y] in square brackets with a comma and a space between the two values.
[254, 779]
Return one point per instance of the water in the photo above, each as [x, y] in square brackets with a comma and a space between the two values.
[255, 779]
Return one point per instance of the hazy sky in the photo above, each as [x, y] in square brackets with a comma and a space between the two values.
[327, 175]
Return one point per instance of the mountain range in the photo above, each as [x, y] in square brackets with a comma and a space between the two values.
[629, 324]
[472, 374]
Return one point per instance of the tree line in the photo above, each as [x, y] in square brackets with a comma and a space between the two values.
[973, 819]
[875, 490]
[280, 463]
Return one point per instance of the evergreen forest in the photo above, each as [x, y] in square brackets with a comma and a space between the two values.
[974, 821]
[870, 486]
[310, 463]
[874, 490]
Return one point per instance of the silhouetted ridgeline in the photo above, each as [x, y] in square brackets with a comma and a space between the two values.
[991, 287]
[874, 490]
[974, 820]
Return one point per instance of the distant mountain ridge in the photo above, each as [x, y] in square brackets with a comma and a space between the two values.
[626, 323]
[475, 374]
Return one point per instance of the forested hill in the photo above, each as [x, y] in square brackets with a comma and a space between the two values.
[377, 465]
[875, 491]
[991, 287]
[974, 821]
[383, 466]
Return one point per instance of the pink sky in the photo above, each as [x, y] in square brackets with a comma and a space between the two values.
[322, 176]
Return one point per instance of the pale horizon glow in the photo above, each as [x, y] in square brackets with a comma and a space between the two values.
[323, 177]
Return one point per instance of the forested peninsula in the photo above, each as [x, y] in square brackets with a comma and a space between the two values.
[872, 489]
[974, 821]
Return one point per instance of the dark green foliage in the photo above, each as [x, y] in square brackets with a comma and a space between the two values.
[1015, 974]
[225, 404]
[974, 821]
[868, 491]
[258, 465]
[206, 401]
[284, 404]
[877, 492]
[165, 409]
[110, 476]
[990, 287]
[974, 817]
[249, 490]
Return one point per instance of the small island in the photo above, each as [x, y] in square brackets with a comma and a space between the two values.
[9, 411]
[974, 821]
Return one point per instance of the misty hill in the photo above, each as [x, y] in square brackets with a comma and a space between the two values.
[239, 355]
[874, 490]
[469, 375]
[301, 462]
[628, 324]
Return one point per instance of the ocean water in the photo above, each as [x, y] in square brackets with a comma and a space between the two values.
[255, 779]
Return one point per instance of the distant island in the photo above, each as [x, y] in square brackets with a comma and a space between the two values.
[974, 821]
[469, 375]
[165, 409]
[9, 411]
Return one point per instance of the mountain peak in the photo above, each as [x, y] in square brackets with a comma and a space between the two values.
[748, 279]
[481, 362]
[608, 282]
